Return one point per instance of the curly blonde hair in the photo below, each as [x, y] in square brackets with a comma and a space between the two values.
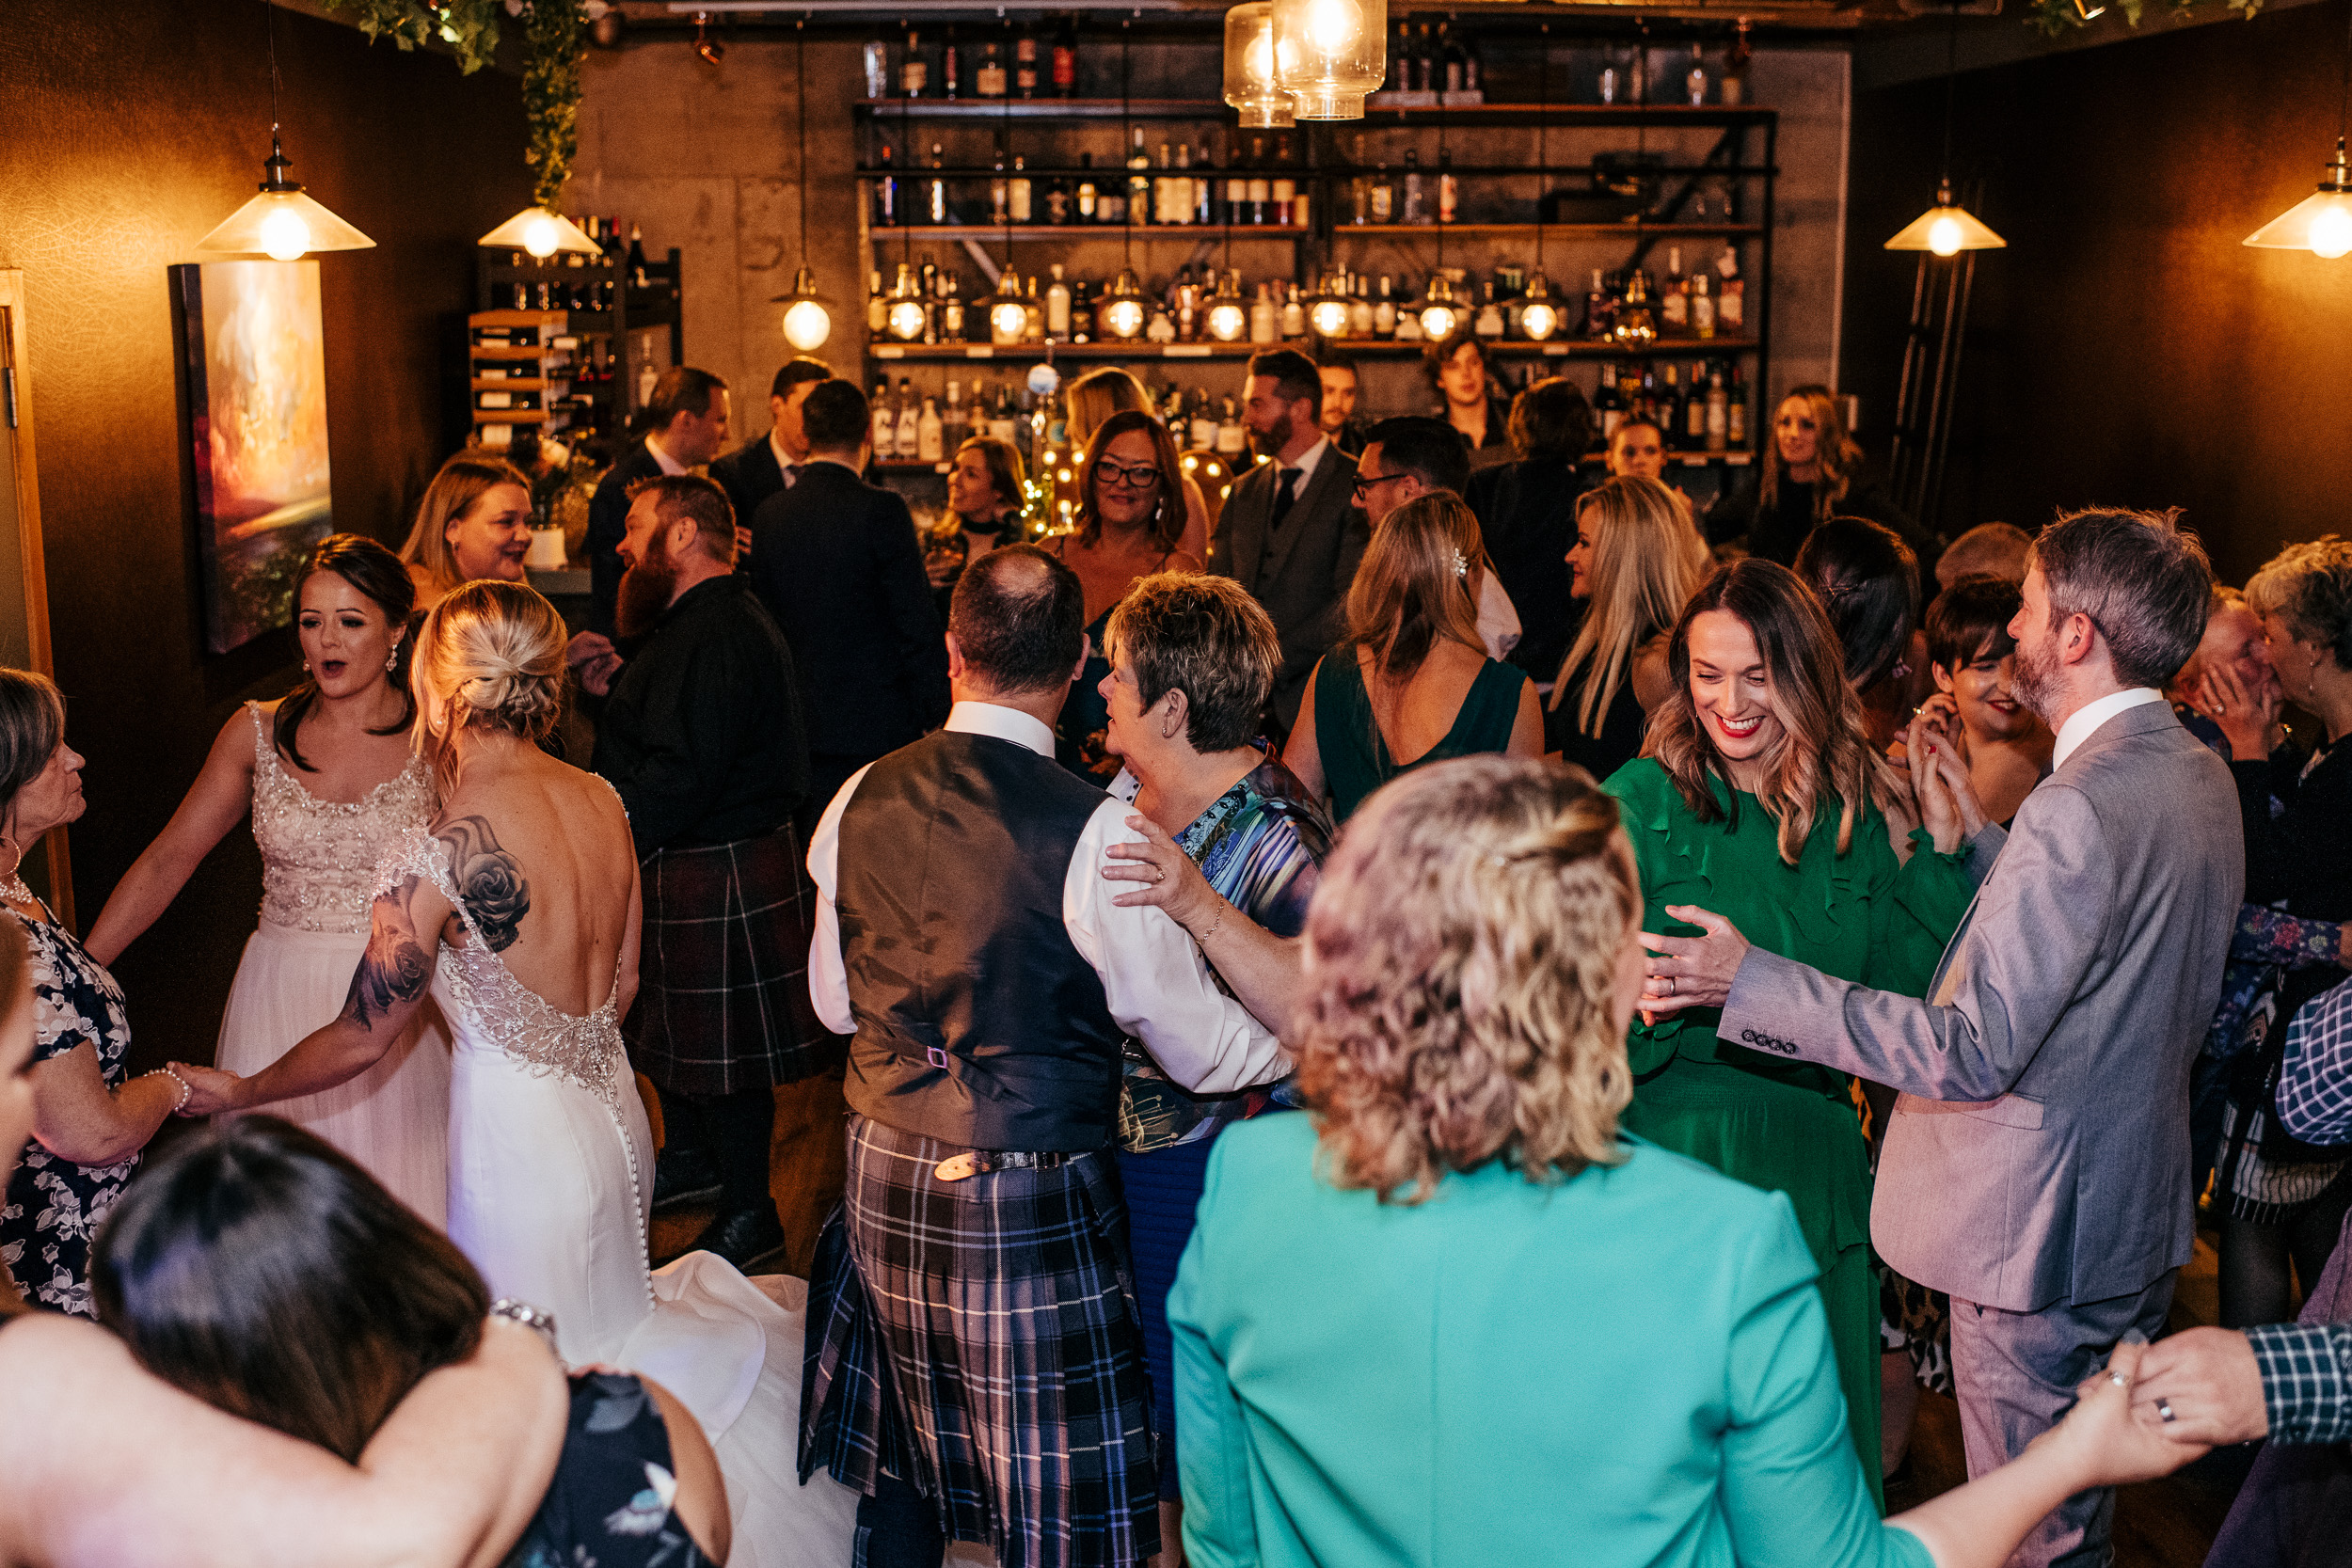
[1463, 952]
[2309, 586]
[490, 654]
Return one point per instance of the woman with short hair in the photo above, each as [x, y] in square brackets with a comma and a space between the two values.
[331, 781]
[1456, 1317]
[474, 522]
[1131, 519]
[1411, 684]
[2004, 744]
[1635, 563]
[1761, 798]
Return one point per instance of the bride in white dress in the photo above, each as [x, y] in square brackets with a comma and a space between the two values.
[330, 780]
[518, 911]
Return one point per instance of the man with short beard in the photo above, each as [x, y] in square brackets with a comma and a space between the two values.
[701, 737]
[1288, 531]
[2037, 1165]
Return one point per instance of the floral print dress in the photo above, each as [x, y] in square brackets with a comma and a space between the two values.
[54, 1206]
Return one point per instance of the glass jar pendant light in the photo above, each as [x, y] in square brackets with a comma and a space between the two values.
[1250, 78]
[1229, 318]
[1122, 308]
[1327, 308]
[1439, 315]
[2321, 223]
[1538, 317]
[1328, 54]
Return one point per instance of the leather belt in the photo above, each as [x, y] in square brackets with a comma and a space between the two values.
[980, 1161]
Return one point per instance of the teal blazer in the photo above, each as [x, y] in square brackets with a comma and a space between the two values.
[1631, 1366]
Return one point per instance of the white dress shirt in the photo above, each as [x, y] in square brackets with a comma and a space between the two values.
[785, 464]
[2088, 716]
[1309, 461]
[669, 466]
[1156, 983]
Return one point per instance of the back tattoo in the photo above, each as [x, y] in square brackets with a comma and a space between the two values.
[488, 880]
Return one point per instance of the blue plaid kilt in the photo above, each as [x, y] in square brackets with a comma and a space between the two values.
[980, 1340]
[723, 1002]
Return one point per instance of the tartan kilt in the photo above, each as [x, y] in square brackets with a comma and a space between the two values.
[979, 1340]
[723, 1002]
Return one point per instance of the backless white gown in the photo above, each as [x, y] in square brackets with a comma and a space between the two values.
[550, 1171]
[318, 877]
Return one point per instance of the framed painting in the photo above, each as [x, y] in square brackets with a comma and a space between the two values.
[255, 417]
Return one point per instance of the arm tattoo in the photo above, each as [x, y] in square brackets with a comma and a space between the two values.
[488, 880]
[395, 969]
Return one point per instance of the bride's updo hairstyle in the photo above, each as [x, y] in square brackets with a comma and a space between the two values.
[490, 655]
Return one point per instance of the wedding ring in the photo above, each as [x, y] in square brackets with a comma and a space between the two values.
[1670, 985]
[2164, 1411]
[2221, 709]
[1158, 875]
[2119, 1380]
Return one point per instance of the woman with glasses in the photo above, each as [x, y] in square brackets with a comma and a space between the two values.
[1131, 522]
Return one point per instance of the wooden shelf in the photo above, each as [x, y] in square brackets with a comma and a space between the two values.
[1211, 233]
[1028, 352]
[1363, 348]
[1567, 230]
[1713, 116]
[884, 110]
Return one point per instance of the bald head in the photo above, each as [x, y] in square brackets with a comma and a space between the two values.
[1994, 550]
[1017, 619]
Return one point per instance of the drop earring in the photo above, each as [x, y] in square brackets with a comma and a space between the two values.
[393, 658]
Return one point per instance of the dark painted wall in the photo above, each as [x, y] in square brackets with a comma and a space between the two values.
[2126, 348]
[127, 131]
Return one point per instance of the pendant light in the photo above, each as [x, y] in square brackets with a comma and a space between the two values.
[1250, 78]
[1947, 228]
[1538, 317]
[1327, 308]
[281, 222]
[2321, 223]
[1122, 307]
[1329, 54]
[541, 233]
[1122, 311]
[806, 321]
[1228, 317]
[1439, 314]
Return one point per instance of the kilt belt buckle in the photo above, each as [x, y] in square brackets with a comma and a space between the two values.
[937, 1057]
[979, 1162]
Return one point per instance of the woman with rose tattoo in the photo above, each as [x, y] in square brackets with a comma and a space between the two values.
[330, 779]
[518, 911]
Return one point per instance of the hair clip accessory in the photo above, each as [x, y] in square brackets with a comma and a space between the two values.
[1461, 563]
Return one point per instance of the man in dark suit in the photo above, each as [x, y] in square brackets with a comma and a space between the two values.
[685, 425]
[1289, 531]
[758, 469]
[837, 561]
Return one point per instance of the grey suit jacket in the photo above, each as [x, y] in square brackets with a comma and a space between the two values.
[1299, 572]
[2040, 1150]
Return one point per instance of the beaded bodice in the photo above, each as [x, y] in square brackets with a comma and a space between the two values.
[493, 1008]
[319, 857]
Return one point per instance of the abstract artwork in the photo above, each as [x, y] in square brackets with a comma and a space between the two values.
[255, 416]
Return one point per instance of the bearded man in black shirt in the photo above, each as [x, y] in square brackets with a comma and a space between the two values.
[701, 737]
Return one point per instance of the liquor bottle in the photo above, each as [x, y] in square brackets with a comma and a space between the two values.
[1160, 188]
[951, 431]
[1415, 210]
[886, 192]
[1161, 329]
[1360, 311]
[1598, 308]
[1294, 313]
[1203, 429]
[935, 191]
[998, 191]
[636, 256]
[1359, 187]
[1473, 73]
[1634, 324]
[927, 290]
[1138, 176]
[1001, 422]
[1025, 63]
[1066, 61]
[1674, 301]
[1087, 210]
[1702, 305]
[1057, 307]
[1736, 416]
[988, 78]
[1488, 324]
[1455, 62]
[1384, 313]
[1731, 306]
[1204, 188]
[1259, 189]
[1418, 63]
[950, 68]
[1608, 404]
[1081, 313]
[1694, 412]
[907, 442]
[1400, 61]
[1383, 195]
[1734, 88]
[951, 312]
[877, 305]
[1449, 193]
[876, 59]
[1670, 412]
[1694, 80]
[1017, 193]
[1718, 412]
[885, 423]
[1110, 201]
[914, 71]
[1057, 202]
[1231, 441]
[930, 436]
[1184, 201]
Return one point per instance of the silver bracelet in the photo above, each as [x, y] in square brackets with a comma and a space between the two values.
[186, 1088]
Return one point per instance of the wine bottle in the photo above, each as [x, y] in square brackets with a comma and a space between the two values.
[1736, 416]
[1360, 311]
[914, 73]
[988, 78]
[950, 68]
[1057, 307]
[1718, 412]
[1081, 313]
[1694, 412]
[1138, 180]
[1065, 62]
[1415, 211]
[636, 256]
[885, 423]
[1608, 403]
[1383, 195]
[886, 192]
[1674, 301]
[1087, 209]
[1017, 193]
[1384, 311]
[1025, 63]
[935, 191]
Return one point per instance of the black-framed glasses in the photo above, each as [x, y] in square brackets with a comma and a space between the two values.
[1143, 477]
[1365, 485]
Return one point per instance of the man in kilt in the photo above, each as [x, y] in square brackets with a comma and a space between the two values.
[702, 738]
[976, 1364]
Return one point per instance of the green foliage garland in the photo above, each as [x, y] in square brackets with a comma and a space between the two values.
[558, 34]
[2053, 18]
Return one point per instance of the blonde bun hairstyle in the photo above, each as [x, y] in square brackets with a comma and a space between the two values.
[490, 655]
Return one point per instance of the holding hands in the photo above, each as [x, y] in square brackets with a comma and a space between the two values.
[1691, 971]
[1936, 751]
[2201, 1387]
[594, 660]
[211, 1092]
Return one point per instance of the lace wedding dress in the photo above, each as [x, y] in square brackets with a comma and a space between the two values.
[550, 1176]
[318, 877]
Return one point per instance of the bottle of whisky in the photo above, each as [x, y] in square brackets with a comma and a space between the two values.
[1066, 60]
[1025, 63]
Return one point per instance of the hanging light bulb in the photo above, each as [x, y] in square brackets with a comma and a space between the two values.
[1439, 314]
[281, 222]
[1122, 309]
[806, 321]
[709, 48]
[1008, 316]
[540, 232]
[1250, 76]
[1229, 318]
[1538, 317]
[1946, 229]
[1327, 308]
[2321, 223]
[1328, 54]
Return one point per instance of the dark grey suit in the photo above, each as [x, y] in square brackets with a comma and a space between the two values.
[2037, 1164]
[1300, 571]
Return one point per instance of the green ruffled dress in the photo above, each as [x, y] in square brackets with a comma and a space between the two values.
[1775, 1123]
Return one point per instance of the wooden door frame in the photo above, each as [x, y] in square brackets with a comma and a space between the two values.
[16, 426]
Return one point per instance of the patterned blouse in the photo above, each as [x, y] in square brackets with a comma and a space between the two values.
[1260, 844]
[54, 1206]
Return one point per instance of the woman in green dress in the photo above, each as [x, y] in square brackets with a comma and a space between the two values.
[1411, 680]
[1762, 800]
